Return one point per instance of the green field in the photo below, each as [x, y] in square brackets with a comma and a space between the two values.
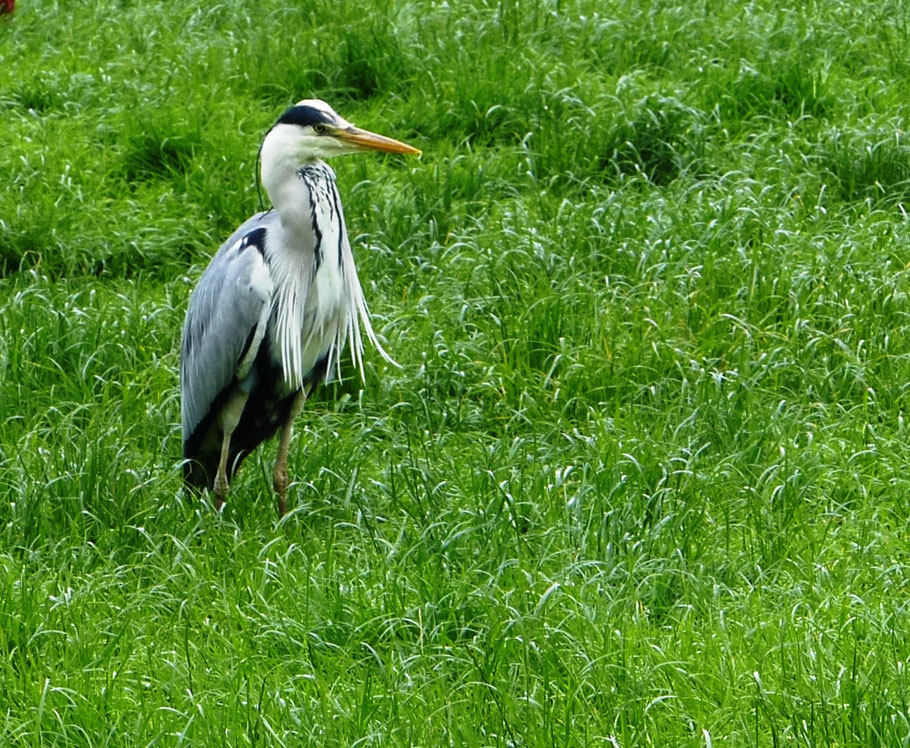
[643, 477]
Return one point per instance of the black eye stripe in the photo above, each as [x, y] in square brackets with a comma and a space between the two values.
[304, 116]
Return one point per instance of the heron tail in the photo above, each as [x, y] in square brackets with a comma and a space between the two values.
[199, 475]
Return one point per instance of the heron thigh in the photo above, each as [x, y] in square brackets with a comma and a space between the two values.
[229, 418]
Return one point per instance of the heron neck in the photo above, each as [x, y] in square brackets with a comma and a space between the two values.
[288, 193]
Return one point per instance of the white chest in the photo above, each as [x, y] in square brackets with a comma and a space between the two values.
[318, 301]
[327, 315]
[312, 317]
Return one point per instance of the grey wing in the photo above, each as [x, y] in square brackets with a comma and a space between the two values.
[225, 323]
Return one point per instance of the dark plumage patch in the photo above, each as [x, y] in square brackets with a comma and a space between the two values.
[263, 414]
[248, 344]
[305, 116]
[256, 238]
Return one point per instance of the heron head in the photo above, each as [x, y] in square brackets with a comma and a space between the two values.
[311, 129]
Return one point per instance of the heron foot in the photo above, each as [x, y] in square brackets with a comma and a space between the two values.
[280, 476]
[280, 484]
[220, 491]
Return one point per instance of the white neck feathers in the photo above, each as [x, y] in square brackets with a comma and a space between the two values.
[318, 302]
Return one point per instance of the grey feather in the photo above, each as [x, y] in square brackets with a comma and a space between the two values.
[224, 313]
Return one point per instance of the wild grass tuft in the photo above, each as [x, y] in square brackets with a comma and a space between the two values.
[869, 165]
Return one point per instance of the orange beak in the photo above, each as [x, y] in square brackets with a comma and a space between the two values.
[370, 141]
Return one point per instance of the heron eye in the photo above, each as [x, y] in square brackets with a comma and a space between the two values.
[319, 129]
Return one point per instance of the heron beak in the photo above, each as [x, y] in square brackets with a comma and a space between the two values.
[370, 141]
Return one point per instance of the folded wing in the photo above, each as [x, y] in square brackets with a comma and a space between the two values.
[225, 324]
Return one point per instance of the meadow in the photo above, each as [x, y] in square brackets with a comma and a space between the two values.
[643, 475]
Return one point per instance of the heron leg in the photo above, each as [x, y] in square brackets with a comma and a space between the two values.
[230, 417]
[280, 476]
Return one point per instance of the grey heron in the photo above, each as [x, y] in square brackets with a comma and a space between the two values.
[275, 307]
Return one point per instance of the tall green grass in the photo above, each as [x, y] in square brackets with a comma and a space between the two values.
[641, 479]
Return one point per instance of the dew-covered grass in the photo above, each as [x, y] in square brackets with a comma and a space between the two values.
[642, 477]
